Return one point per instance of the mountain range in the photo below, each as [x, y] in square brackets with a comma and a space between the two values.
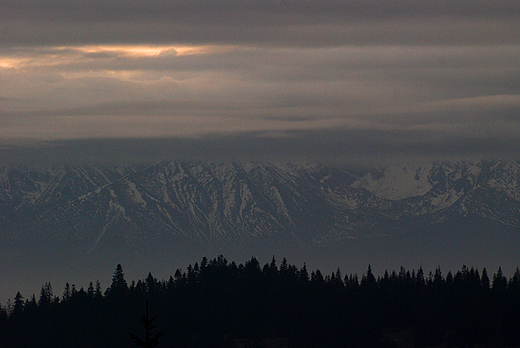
[177, 207]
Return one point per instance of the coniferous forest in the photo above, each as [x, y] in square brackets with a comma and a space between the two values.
[216, 303]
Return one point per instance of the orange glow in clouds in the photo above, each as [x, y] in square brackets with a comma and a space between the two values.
[150, 51]
[52, 56]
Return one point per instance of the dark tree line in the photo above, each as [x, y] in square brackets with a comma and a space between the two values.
[216, 303]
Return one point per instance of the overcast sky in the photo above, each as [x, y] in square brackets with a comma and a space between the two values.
[306, 80]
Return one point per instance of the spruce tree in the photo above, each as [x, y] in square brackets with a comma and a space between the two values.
[119, 285]
[151, 340]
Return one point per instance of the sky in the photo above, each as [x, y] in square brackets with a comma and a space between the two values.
[306, 80]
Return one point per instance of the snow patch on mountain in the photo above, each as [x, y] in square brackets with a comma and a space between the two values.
[137, 196]
[446, 200]
[397, 181]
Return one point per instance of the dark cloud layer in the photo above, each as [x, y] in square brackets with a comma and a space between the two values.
[333, 146]
[277, 22]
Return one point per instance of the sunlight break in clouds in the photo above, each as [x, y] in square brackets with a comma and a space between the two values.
[151, 51]
[66, 54]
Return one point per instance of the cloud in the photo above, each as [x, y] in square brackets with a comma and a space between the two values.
[300, 79]
[295, 23]
[451, 94]
[340, 146]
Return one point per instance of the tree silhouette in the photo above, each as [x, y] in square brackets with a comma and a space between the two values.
[151, 340]
[215, 303]
[118, 280]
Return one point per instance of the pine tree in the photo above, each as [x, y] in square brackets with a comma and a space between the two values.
[151, 283]
[485, 280]
[151, 340]
[46, 295]
[18, 304]
[98, 293]
[90, 290]
[119, 285]
[499, 281]
[3, 315]
[66, 293]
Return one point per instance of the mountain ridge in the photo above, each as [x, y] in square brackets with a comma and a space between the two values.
[237, 203]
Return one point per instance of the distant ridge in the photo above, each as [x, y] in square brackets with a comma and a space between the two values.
[246, 203]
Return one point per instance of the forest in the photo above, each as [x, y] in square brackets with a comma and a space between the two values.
[217, 303]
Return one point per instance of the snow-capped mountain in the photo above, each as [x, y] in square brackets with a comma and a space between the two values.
[238, 204]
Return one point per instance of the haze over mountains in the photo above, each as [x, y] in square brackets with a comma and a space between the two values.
[85, 218]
